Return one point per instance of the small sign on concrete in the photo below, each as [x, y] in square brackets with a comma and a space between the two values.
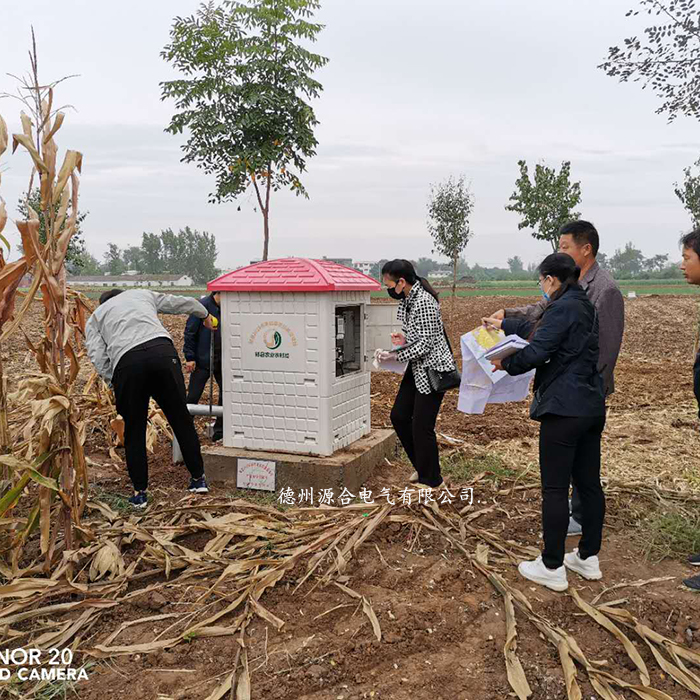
[256, 474]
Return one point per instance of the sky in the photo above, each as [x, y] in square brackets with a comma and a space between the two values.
[414, 92]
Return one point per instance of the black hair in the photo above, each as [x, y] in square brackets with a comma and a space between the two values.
[403, 269]
[583, 232]
[106, 296]
[563, 267]
[692, 240]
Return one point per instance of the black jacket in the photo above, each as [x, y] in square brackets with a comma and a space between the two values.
[564, 351]
[197, 337]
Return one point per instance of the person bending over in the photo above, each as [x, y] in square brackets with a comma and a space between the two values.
[133, 353]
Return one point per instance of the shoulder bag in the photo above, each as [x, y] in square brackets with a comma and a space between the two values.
[440, 382]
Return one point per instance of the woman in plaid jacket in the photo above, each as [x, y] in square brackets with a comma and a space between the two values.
[423, 344]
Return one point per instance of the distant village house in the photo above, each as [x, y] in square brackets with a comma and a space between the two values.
[131, 280]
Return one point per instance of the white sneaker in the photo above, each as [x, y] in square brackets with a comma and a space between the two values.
[588, 568]
[413, 478]
[551, 578]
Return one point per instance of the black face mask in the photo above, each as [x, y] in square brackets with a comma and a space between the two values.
[391, 291]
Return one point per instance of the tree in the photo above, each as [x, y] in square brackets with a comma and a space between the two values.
[515, 264]
[113, 260]
[666, 59]
[449, 208]
[425, 266]
[133, 258]
[200, 253]
[376, 270]
[657, 263]
[91, 265]
[244, 100]
[76, 247]
[152, 253]
[627, 263]
[689, 194]
[546, 204]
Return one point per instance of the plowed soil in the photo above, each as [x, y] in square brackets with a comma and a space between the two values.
[443, 627]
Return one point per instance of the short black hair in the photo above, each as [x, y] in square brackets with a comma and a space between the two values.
[106, 296]
[692, 240]
[583, 232]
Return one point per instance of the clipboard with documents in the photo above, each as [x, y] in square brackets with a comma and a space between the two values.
[507, 347]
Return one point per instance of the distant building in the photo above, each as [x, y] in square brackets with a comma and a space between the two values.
[439, 274]
[131, 280]
[364, 266]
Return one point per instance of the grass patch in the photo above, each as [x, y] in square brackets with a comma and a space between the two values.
[461, 467]
[670, 534]
[116, 501]
[262, 498]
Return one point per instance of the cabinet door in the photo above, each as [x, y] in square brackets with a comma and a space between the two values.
[380, 323]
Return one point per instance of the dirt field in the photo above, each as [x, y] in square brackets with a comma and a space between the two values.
[442, 619]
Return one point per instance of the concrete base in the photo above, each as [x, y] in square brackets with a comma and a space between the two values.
[348, 468]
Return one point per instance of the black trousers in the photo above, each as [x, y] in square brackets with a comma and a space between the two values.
[576, 505]
[153, 370]
[198, 382]
[570, 450]
[413, 417]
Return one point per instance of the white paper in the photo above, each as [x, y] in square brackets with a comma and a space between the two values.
[480, 384]
[388, 365]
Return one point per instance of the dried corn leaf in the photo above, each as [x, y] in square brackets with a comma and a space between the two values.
[266, 614]
[73, 160]
[516, 674]
[243, 687]
[26, 141]
[3, 135]
[223, 689]
[107, 560]
[369, 611]
[58, 121]
[26, 588]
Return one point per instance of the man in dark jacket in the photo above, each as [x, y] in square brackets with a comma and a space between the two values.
[580, 240]
[197, 349]
[691, 270]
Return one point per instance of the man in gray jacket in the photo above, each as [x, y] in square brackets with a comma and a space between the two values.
[132, 351]
[580, 240]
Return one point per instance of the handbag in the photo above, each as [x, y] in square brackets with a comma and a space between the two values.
[440, 382]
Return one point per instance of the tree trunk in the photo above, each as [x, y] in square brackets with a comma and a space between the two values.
[266, 233]
[454, 279]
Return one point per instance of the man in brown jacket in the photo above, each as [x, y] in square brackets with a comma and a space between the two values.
[580, 240]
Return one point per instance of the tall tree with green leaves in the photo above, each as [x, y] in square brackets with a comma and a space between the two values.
[546, 203]
[666, 58]
[114, 265]
[152, 253]
[515, 264]
[244, 98]
[449, 207]
[689, 192]
[75, 258]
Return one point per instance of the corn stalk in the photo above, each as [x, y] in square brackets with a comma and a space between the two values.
[50, 468]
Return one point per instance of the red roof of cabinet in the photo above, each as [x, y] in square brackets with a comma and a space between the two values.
[294, 275]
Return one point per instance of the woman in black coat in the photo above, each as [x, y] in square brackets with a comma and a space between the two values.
[569, 403]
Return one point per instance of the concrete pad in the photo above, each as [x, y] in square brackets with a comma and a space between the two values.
[348, 468]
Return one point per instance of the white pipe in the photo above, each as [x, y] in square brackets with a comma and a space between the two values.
[195, 409]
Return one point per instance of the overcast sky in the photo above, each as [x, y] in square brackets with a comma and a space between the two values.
[414, 91]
